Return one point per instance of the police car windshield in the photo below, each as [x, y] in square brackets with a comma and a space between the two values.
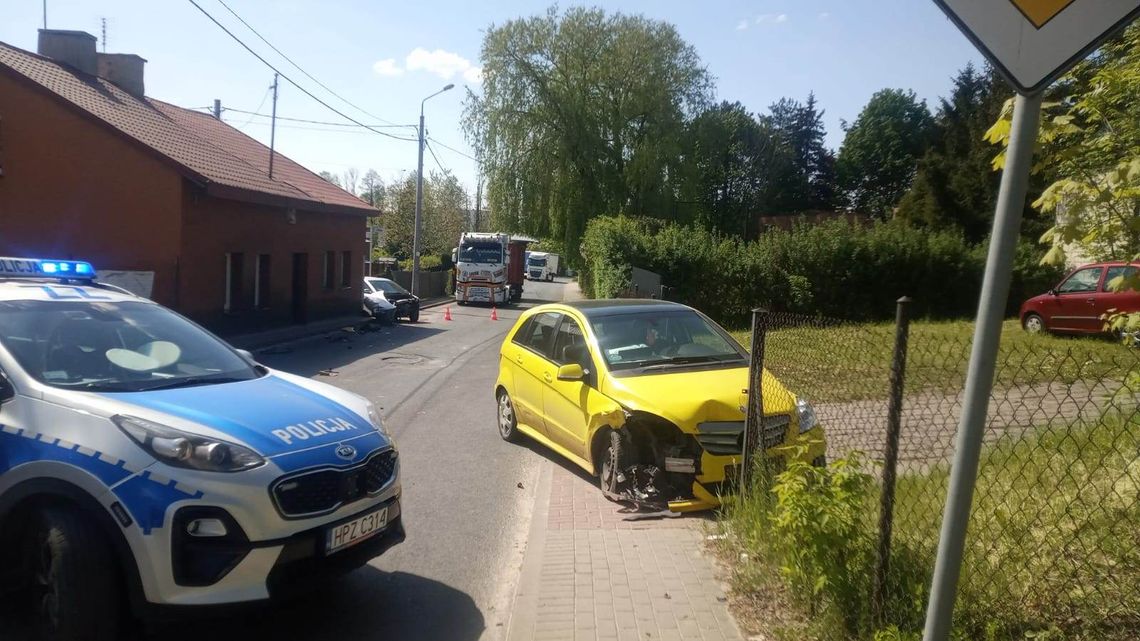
[114, 347]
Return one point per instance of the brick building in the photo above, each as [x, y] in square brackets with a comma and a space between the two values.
[169, 202]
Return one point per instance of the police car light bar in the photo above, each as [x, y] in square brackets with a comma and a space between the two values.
[39, 268]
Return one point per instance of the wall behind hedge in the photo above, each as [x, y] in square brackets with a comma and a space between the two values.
[835, 269]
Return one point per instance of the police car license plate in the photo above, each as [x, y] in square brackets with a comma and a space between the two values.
[354, 531]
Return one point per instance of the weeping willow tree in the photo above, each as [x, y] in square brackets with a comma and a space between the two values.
[582, 113]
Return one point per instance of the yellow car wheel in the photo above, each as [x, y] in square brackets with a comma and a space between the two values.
[610, 463]
[508, 423]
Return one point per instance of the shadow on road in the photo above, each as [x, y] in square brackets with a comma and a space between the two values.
[338, 348]
[366, 605]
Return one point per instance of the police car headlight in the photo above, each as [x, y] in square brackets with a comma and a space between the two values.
[183, 449]
[806, 415]
[374, 418]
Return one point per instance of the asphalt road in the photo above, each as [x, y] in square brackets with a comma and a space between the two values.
[467, 494]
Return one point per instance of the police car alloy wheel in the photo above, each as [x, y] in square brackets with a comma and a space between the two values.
[73, 585]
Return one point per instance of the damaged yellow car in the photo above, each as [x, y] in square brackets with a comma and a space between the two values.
[646, 395]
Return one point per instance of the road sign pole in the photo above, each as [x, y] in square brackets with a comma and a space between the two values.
[980, 375]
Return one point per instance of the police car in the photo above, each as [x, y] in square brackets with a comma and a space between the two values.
[145, 462]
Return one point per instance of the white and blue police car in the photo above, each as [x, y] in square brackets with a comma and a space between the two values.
[147, 467]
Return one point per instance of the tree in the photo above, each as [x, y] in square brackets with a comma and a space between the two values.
[444, 215]
[372, 188]
[581, 114]
[803, 177]
[330, 177]
[727, 158]
[349, 179]
[881, 150]
[956, 185]
[1090, 139]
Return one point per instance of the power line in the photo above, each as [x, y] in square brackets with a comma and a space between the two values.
[298, 67]
[290, 80]
[312, 122]
[437, 163]
[454, 150]
[259, 106]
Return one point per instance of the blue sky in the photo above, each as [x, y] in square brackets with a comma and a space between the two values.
[386, 56]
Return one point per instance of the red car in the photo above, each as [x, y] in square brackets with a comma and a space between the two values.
[1076, 304]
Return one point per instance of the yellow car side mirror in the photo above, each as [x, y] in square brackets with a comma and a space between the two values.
[571, 372]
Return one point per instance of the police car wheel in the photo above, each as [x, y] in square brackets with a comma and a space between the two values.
[73, 580]
[508, 423]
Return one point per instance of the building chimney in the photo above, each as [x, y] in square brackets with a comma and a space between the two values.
[73, 48]
[125, 70]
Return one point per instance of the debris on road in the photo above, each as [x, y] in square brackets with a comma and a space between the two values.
[520, 486]
[329, 372]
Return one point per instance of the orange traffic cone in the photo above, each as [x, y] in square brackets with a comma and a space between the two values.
[446, 313]
[494, 313]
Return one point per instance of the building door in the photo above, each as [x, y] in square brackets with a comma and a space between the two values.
[300, 287]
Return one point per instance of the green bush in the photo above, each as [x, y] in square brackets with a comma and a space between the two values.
[837, 268]
[429, 263]
[819, 530]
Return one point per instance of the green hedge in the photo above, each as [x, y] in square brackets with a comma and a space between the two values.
[835, 269]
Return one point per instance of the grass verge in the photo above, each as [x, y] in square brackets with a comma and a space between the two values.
[852, 361]
[1053, 550]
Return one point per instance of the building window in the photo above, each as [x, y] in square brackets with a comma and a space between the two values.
[345, 269]
[261, 282]
[330, 270]
[234, 273]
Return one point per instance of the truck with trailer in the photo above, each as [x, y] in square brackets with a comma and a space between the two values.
[489, 267]
[541, 266]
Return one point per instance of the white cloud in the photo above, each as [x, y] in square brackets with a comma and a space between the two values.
[444, 64]
[473, 75]
[771, 17]
[824, 16]
[742, 25]
[387, 67]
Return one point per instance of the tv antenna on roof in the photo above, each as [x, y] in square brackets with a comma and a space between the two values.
[103, 21]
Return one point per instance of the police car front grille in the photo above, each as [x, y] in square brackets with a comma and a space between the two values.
[322, 491]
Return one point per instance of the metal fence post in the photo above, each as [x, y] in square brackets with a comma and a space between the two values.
[890, 459]
[755, 411]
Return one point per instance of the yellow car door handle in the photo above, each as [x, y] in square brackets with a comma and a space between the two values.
[518, 359]
[548, 377]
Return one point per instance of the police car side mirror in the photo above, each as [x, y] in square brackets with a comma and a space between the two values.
[7, 392]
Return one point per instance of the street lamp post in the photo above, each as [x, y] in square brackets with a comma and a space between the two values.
[420, 196]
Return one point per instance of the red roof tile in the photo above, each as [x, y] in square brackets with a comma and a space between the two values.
[206, 149]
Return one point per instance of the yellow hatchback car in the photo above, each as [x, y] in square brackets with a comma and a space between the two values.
[647, 395]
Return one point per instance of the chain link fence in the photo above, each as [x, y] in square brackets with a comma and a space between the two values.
[1053, 548]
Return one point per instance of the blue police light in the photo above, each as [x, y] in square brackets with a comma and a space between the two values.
[38, 268]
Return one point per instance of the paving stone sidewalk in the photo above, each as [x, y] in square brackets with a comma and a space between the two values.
[591, 574]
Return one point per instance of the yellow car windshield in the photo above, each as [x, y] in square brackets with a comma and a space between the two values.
[637, 340]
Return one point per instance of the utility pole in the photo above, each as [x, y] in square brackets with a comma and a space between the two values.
[420, 195]
[273, 129]
[478, 201]
[45, 14]
[218, 108]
